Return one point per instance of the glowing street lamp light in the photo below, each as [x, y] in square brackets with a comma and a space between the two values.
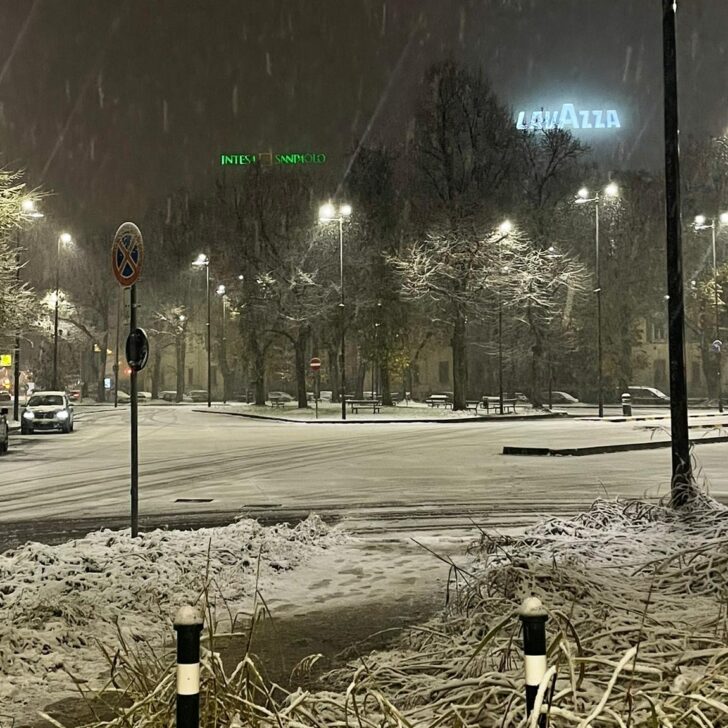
[203, 261]
[329, 213]
[505, 227]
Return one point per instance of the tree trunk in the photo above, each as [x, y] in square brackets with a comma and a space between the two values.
[156, 370]
[536, 373]
[299, 348]
[361, 373]
[459, 363]
[334, 377]
[385, 385]
[180, 347]
[100, 388]
[258, 362]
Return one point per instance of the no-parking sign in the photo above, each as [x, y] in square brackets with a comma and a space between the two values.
[127, 254]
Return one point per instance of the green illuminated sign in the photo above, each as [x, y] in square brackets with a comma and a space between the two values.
[268, 159]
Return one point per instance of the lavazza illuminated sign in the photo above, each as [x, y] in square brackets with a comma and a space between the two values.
[569, 117]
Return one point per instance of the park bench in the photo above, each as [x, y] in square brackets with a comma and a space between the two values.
[493, 403]
[439, 400]
[357, 404]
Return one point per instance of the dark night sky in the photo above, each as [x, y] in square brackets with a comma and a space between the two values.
[86, 85]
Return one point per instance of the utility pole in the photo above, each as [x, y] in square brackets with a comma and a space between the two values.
[682, 477]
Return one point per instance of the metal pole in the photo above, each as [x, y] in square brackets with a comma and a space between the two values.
[134, 425]
[119, 309]
[209, 358]
[16, 352]
[55, 317]
[223, 367]
[342, 360]
[500, 353]
[600, 387]
[717, 321]
[682, 476]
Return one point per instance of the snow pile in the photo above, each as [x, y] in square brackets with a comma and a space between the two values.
[637, 635]
[59, 602]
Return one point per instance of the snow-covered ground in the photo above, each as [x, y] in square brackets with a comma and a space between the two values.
[58, 603]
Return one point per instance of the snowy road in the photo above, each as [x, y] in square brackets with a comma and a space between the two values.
[372, 476]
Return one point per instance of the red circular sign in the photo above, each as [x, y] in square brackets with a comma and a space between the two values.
[127, 254]
[315, 363]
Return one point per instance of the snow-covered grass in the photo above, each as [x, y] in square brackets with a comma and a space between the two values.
[59, 603]
[637, 636]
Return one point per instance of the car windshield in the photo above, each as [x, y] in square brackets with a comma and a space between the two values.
[44, 400]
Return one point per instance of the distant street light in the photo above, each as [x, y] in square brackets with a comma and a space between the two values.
[702, 224]
[64, 239]
[203, 261]
[582, 197]
[28, 208]
[329, 213]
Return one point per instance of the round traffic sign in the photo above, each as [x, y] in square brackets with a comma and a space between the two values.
[127, 254]
[315, 363]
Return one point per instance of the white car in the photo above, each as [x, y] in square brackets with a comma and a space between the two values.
[47, 411]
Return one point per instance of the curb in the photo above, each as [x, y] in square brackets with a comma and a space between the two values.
[602, 449]
[640, 418]
[484, 418]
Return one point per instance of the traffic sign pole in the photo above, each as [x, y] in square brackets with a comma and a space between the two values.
[315, 365]
[127, 256]
[134, 426]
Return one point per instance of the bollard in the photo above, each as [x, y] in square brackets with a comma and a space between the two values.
[533, 617]
[627, 405]
[188, 626]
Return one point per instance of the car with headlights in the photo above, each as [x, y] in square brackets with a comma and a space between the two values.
[47, 411]
[4, 431]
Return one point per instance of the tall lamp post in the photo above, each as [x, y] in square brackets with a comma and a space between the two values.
[702, 224]
[203, 261]
[504, 229]
[28, 207]
[63, 239]
[223, 361]
[582, 198]
[329, 213]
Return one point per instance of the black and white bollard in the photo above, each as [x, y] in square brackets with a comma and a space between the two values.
[627, 405]
[188, 625]
[533, 617]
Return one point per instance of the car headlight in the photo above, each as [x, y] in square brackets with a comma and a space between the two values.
[62, 415]
[28, 415]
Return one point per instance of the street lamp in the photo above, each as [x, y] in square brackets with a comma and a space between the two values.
[29, 211]
[203, 261]
[64, 239]
[582, 197]
[702, 224]
[504, 229]
[220, 291]
[329, 213]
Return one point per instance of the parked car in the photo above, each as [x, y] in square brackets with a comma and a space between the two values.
[648, 395]
[280, 396]
[144, 396]
[123, 397]
[198, 395]
[47, 411]
[558, 397]
[326, 395]
[4, 431]
[168, 396]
